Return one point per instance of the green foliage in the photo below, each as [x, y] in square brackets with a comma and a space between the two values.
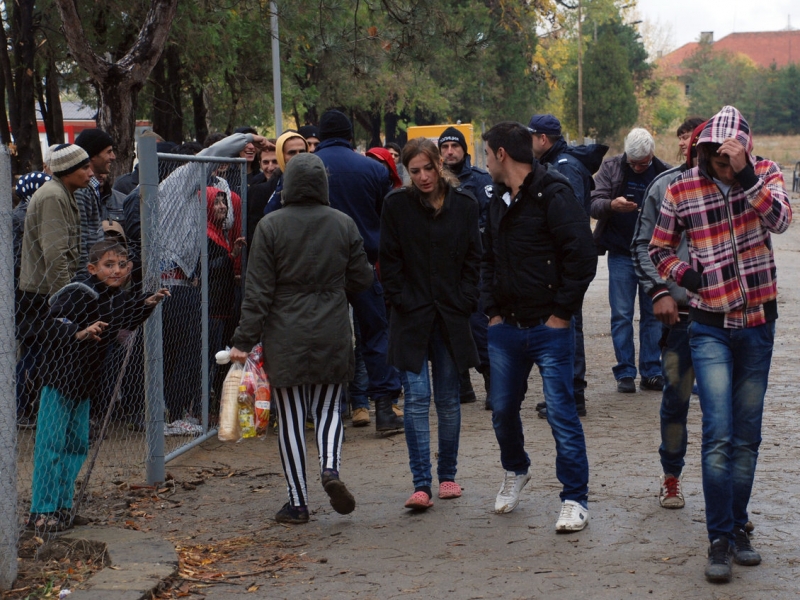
[768, 98]
[609, 98]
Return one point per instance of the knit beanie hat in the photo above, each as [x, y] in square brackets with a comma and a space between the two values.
[67, 158]
[94, 141]
[335, 124]
[309, 131]
[29, 183]
[451, 134]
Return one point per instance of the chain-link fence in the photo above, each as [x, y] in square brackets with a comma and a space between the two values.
[103, 368]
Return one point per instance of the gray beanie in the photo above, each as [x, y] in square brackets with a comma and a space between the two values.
[67, 158]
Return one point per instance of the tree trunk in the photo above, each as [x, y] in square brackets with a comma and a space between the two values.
[390, 121]
[200, 113]
[5, 132]
[120, 82]
[26, 134]
[175, 132]
[53, 99]
[167, 113]
[117, 117]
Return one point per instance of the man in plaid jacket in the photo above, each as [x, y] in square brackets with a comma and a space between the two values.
[727, 206]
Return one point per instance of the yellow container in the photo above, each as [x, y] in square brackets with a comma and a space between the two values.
[432, 132]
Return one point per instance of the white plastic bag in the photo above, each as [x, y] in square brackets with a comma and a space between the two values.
[229, 405]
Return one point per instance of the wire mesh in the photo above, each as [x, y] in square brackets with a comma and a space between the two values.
[80, 381]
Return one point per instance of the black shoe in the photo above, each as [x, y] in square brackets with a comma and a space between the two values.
[718, 569]
[626, 385]
[292, 514]
[541, 412]
[465, 392]
[743, 552]
[581, 408]
[541, 405]
[654, 383]
[65, 514]
[580, 403]
[385, 419]
[342, 500]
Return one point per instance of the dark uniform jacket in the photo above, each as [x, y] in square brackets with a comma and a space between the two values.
[539, 258]
[429, 267]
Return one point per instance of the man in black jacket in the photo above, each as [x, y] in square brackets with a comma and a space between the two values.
[537, 264]
[577, 164]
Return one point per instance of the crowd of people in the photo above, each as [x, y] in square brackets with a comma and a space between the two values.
[397, 271]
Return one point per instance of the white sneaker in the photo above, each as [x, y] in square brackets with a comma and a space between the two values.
[573, 517]
[508, 496]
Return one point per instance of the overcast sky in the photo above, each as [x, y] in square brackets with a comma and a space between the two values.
[688, 18]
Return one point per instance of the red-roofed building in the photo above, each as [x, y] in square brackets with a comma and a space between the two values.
[762, 47]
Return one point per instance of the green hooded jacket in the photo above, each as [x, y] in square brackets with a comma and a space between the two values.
[305, 258]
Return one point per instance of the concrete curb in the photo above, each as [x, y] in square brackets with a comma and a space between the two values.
[140, 562]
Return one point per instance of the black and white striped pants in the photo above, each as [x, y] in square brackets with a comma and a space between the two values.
[294, 403]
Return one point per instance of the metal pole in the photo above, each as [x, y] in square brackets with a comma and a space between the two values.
[201, 228]
[9, 528]
[276, 70]
[153, 339]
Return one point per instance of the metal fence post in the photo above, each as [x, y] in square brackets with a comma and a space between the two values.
[9, 528]
[153, 340]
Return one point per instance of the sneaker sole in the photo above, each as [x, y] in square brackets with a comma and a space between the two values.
[361, 423]
[719, 578]
[571, 529]
[342, 500]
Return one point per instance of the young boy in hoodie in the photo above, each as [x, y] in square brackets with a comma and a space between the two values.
[727, 206]
[84, 318]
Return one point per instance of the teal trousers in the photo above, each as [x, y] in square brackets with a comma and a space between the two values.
[62, 444]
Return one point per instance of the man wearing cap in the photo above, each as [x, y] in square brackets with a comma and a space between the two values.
[577, 164]
[52, 239]
[455, 155]
[357, 186]
[620, 184]
[100, 148]
[311, 135]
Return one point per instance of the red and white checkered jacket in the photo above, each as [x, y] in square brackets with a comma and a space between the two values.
[732, 267]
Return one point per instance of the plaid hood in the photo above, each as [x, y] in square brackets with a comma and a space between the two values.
[727, 123]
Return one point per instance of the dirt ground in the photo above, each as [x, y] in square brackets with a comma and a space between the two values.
[632, 547]
[219, 512]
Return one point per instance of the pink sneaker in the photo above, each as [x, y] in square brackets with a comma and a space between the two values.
[449, 489]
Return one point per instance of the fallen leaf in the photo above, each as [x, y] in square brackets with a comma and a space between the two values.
[253, 588]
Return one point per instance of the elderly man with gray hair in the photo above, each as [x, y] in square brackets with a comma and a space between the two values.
[619, 192]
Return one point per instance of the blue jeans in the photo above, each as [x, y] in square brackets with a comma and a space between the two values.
[579, 362]
[676, 363]
[622, 287]
[357, 388]
[370, 310]
[732, 369]
[417, 405]
[513, 352]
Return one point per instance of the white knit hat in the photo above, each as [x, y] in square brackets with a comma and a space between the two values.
[67, 158]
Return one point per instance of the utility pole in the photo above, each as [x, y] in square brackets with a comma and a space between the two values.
[276, 70]
[580, 76]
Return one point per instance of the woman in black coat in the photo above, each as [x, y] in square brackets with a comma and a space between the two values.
[430, 262]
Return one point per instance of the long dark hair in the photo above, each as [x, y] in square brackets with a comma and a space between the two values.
[424, 146]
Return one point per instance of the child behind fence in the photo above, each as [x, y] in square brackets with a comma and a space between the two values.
[84, 317]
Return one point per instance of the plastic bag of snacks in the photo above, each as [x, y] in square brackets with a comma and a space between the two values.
[255, 380]
[229, 405]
